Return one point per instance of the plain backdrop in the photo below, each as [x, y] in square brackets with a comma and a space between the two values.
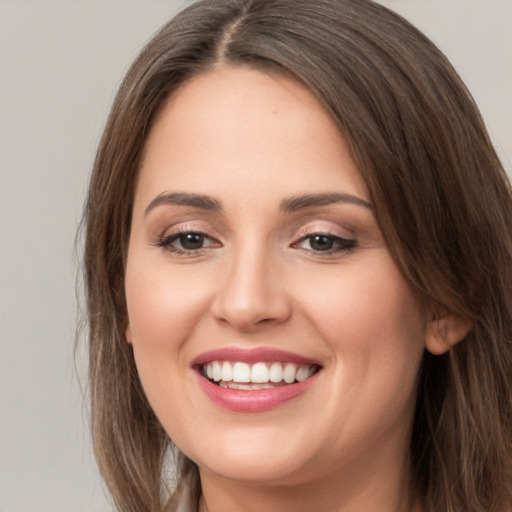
[60, 64]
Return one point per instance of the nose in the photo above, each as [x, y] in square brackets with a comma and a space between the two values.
[252, 292]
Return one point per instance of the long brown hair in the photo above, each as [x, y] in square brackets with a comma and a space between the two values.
[441, 198]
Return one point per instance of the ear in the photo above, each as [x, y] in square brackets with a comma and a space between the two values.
[445, 332]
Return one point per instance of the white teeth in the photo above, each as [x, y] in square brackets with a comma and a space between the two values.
[216, 370]
[250, 386]
[241, 372]
[276, 372]
[229, 374]
[289, 373]
[304, 372]
[260, 373]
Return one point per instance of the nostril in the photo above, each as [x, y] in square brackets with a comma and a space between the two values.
[246, 311]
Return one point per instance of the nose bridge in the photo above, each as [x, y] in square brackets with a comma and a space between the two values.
[251, 292]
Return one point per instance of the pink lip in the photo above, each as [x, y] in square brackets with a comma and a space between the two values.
[259, 400]
[253, 355]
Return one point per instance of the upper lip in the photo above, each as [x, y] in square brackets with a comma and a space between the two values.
[251, 355]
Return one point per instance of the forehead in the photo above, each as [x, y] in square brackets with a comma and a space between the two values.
[248, 128]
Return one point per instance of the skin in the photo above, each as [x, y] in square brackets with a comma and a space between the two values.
[251, 140]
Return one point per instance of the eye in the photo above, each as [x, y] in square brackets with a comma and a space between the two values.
[188, 242]
[191, 241]
[325, 243]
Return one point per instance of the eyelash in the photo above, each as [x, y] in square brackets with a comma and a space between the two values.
[341, 244]
[167, 241]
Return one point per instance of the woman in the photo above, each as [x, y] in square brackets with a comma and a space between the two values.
[298, 252]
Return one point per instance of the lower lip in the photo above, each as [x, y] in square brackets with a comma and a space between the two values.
[258, 400]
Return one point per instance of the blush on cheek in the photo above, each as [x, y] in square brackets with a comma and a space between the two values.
[372, 315]
[162, 311]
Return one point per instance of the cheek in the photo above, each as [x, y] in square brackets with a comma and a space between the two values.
[374, 327]
[164, 306]
[370, 308]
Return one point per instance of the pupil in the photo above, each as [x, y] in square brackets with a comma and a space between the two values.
[191, 241]
[321, 243]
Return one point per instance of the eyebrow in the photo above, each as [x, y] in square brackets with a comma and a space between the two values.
[179, 198]
[295, 203]
[290, 204]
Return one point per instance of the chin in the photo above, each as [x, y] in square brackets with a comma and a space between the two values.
[252, 458]
[254, 470]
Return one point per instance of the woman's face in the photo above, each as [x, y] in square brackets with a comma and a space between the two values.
[255, 259]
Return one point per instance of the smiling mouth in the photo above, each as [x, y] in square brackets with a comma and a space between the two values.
[259, 375]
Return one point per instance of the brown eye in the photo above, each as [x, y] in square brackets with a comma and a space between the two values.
[188, 242]
[321, 243]
[191, 241]
[325, 243]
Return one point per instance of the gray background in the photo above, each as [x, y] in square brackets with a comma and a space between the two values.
[60, 63]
